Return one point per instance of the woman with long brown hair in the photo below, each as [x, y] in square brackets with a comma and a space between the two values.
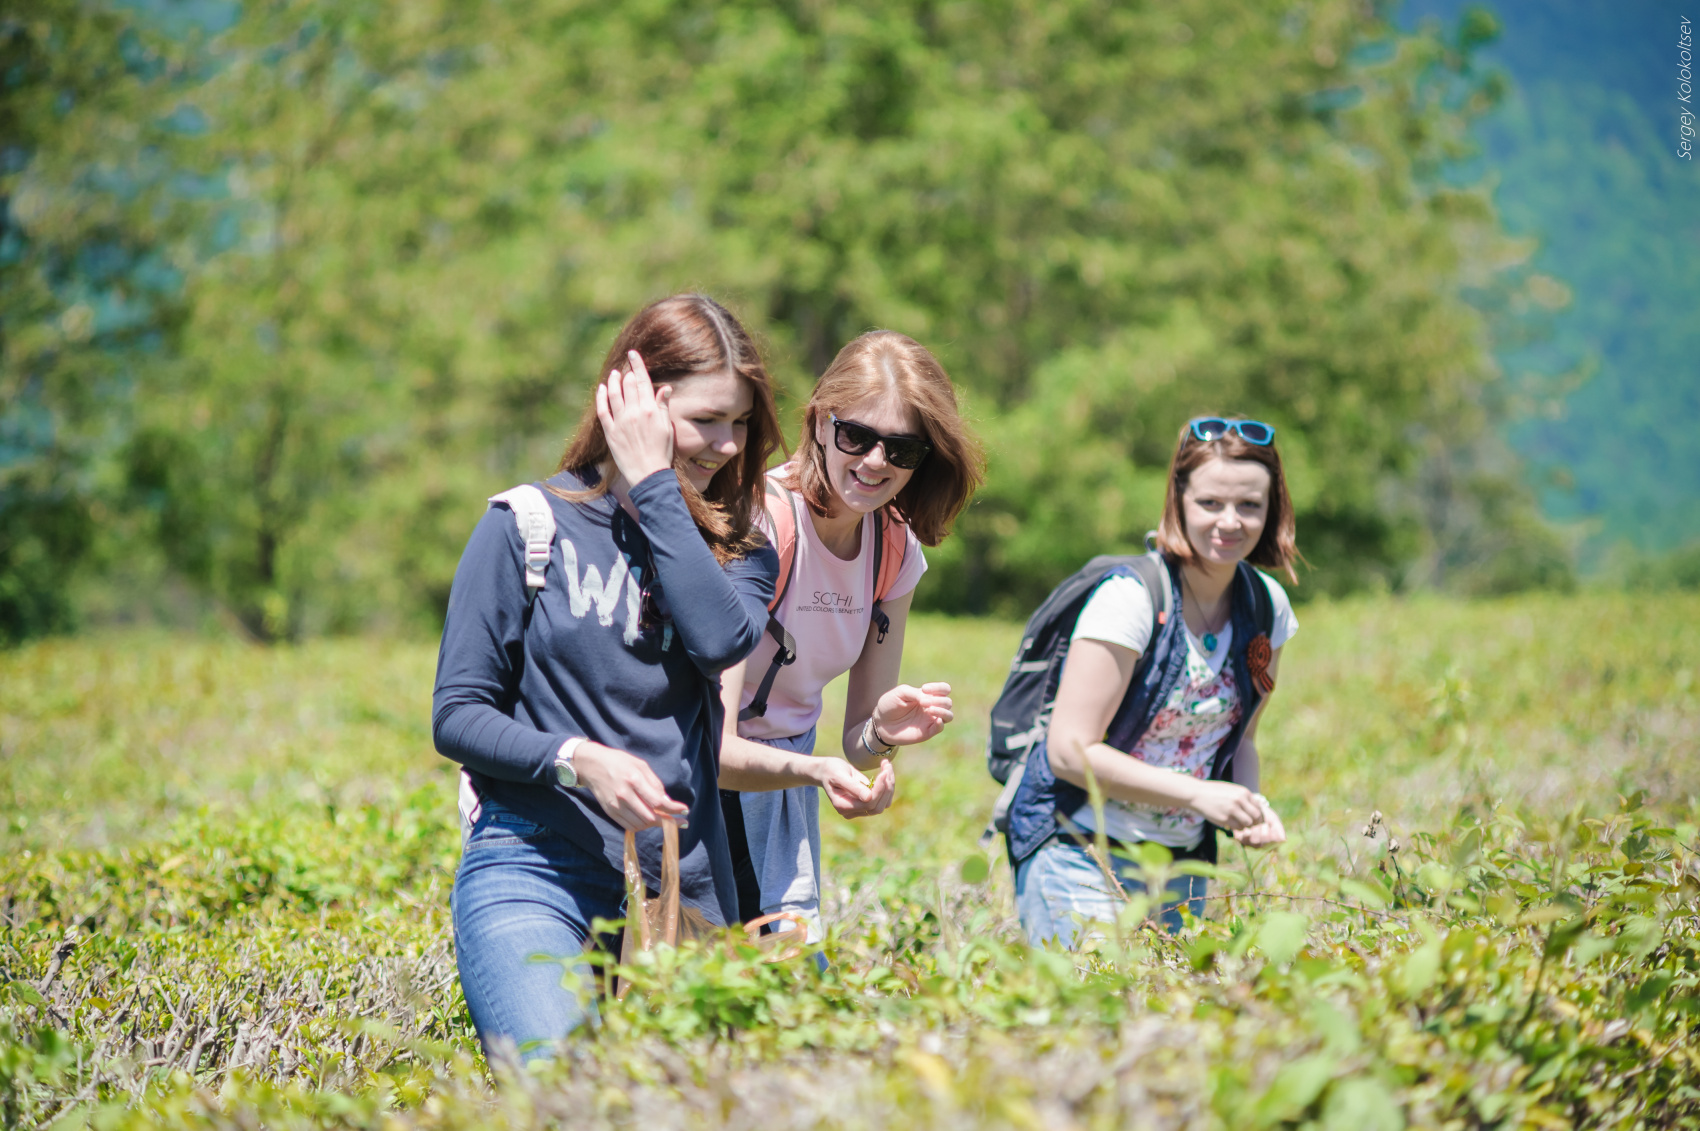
[884, 465]
[576, 681]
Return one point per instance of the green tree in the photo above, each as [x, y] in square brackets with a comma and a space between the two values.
[87, 290]
[1103, 218]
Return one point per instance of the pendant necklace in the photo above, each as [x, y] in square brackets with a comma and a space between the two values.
[1208, 638]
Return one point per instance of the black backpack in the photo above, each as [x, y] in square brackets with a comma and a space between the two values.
[1023, 709]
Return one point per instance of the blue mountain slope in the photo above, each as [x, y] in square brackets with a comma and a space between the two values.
[1584, 153]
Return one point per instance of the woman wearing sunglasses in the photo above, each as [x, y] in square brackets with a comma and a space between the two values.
[885, 465]
[1186, 760]
[578, 684]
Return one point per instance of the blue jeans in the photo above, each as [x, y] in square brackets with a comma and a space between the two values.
[1061, 881]
[523, 902]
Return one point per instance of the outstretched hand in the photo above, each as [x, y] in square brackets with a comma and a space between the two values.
[635, 419]
[906, 715]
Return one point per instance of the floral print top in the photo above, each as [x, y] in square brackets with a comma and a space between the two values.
[1184, 737]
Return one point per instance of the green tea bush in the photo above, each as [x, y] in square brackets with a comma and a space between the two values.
[1488, 914]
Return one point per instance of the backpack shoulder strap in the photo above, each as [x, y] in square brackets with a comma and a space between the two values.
[888, 563]
[891, 549]
[1262, 604]
[1154, 572]
[785, 519]
[536, 521]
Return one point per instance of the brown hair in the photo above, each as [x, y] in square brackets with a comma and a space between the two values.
[680, 337]
[881, 362]
[1278, 546]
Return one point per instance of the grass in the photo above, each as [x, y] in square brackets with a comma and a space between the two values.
[224, 873]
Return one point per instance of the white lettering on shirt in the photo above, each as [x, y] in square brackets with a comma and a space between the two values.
[607, 596]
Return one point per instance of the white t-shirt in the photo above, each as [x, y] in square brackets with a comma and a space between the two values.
[827, 610]
[1190, 727]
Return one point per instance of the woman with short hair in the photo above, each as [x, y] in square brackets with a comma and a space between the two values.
[1175, 749]
[884, 465]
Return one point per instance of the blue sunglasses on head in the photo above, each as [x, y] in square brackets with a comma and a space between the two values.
[1208, 428]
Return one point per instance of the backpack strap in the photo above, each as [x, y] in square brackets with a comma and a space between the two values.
[1153, 571]
[536, 522]
[891, 547]
[1262, 605]
[785, 520]
[1259, 652]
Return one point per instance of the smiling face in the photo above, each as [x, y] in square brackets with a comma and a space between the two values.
[868, 482]
[711, 423]
[1226, 506]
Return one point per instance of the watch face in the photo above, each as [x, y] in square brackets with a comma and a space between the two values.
[565, 774]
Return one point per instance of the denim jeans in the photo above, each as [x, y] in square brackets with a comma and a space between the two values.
[1061, 881]
[523, 902]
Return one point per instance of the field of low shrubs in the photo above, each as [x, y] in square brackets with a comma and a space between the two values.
[224, 876]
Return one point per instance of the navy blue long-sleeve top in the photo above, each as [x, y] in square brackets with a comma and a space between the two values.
[588, 663]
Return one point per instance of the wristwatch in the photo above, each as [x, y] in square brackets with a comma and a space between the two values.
[565, 775]
[871, 741]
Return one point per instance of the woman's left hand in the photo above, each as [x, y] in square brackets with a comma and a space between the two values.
[1266, 833]
[906, 715]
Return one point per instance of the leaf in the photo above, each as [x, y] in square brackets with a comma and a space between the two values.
[1370, 895]
[1436, 878]
[1295, 1087]
[1563, 935]
[1153, 855]
[1361, 1104]
[1202, 951]
[1640, 936]
[1282, 935]
[1420, 969]
[28, 993]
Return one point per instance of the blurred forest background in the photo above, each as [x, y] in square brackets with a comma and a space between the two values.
[288, 288]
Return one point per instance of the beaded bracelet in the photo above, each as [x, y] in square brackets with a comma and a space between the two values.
[870, 737]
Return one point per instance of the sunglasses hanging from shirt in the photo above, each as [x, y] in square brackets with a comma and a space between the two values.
[854, 439]
[1208, 428]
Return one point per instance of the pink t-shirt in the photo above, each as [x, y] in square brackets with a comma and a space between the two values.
[827, 610]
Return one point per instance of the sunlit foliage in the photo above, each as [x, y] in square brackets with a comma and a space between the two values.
[225, 877]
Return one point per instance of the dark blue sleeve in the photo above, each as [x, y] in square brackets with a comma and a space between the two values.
[478, 666]
[718, 613]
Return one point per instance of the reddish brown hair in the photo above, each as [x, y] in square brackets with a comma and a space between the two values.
[1278, 546]
[678, 338]
[882, 363]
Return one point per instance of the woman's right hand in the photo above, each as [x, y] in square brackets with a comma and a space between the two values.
[850, 791]
[625, 787]
[635, 421]
[1226, 805]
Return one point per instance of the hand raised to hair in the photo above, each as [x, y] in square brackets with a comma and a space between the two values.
[635, 419]
[906, 715]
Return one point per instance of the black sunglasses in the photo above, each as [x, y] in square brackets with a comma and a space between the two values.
[858, 440]
[1208, 428]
